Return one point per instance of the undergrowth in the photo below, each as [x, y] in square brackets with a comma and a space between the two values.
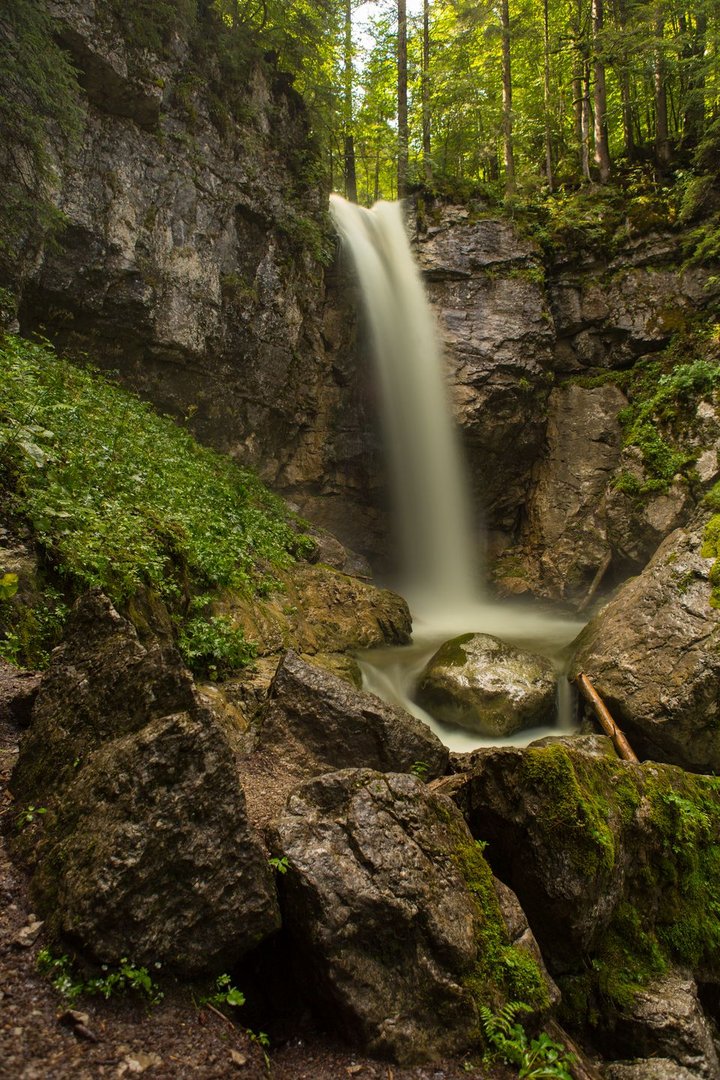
[121, 498]
[71, 984]
[664, 392]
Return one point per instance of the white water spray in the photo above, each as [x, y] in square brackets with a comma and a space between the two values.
[441, 563]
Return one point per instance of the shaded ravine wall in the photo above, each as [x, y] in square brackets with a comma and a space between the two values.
[189, 266]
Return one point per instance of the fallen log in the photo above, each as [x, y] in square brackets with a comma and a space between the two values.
[607, 723]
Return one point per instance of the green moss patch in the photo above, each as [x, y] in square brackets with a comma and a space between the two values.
[503, 972]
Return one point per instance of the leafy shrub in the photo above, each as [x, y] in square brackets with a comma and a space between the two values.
[213, 647]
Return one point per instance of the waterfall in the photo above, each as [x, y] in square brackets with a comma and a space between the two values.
[439, 557]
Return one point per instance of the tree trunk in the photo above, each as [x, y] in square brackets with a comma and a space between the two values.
[694, 55]
[427, 156]
[507, 100]
[623, 74]
[349, 142]
[602, 150]
[402, 109]
[546, 91]
[585, 122]
[662, 141]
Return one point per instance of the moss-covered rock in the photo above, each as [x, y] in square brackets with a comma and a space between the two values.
[391, 908]
[488, 686]
[140, 845]
[616, 865]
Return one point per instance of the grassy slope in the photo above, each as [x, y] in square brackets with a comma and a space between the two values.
[119, 497]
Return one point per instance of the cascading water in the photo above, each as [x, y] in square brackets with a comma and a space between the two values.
[440, 559]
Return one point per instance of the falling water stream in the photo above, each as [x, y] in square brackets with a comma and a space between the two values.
[440, 558]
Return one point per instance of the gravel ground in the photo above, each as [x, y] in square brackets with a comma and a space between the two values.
[39, 1040]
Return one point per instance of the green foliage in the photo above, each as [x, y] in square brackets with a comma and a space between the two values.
[214, 647]
[120, 497]
[279, 864]
[539, 1059]
[71, 984]
[31, 628]
[224, 994]
[28, 815]
[38, 101]
[420, 769]
[8, 586]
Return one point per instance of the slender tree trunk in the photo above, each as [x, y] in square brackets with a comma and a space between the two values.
[507, 100]
[694, 52]
[602, 150]
[581, 90]
[349, 142]
[427, 154]
[402, 109]
[586, 119]
[623, 74]
[546, 91]
[662, 140]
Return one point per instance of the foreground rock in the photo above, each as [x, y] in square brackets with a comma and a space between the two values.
[317, 722]
[488, 686]
[667, 1019]
[392, 911]
[653, 654]
[613, 863]
[145, 850]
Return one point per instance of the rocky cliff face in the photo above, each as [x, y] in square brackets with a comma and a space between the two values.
[192, 263]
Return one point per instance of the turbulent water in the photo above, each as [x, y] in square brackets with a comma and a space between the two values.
[442, 575]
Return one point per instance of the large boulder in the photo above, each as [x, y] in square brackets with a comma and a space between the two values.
[479, 682]
[666, 1019]
[145, 849]
[320, 610]
[653, 654]
[615, 865]
[322, 723]
[391, 908]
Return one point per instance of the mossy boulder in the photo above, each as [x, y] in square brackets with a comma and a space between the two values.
[653, 654]
[479, 682]
[616, 865]
[144, 848]
[392, 914]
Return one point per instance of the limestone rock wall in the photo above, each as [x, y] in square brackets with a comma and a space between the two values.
[189, 265]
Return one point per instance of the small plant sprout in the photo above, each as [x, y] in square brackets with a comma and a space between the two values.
[279, 864]
[225, 994]
[123, 979]
[421, 769]
[28, 815]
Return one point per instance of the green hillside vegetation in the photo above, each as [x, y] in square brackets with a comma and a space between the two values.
[121, 498]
